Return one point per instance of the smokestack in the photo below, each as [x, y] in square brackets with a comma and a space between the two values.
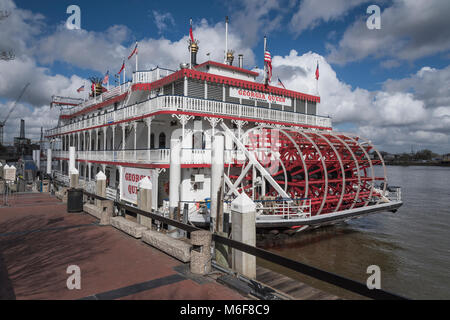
[230, 57]
[194, 49]
[241, 61]
[22, 129]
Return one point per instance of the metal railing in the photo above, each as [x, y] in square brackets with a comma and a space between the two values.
[322, 275]
[194, 105]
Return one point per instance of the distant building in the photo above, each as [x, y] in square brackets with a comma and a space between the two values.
[446, 157]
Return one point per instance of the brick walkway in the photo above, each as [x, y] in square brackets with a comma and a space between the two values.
[39, 240]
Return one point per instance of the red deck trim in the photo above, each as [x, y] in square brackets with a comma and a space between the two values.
[250, 85]
[96, 106]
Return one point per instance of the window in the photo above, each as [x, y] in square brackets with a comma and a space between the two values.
[162, 140]
[152, 141]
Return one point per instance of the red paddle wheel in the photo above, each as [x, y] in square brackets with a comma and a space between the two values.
[333, 170]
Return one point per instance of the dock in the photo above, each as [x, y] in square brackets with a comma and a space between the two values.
[39, 240]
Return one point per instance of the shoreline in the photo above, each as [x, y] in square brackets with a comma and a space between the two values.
[407, 164]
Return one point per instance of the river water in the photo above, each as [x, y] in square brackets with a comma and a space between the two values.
[411, 246]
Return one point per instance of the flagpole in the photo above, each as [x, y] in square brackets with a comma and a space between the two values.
[265, 68]
[124, 72]
[226, 39]
[190, 46]
[137, 56]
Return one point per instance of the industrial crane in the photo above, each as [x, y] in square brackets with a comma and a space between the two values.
[2, 124]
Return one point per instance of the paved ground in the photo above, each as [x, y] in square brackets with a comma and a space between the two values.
[39, 240]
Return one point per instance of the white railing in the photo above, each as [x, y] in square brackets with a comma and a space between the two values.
[151, 75]
[103, 97]
[155, 156]
[187, 104]
[281, 209]
[394, 193]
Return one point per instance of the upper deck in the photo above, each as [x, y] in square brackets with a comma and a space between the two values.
[209, 89]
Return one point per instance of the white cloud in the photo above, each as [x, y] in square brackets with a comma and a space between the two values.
[163, 20]
[395, 117]
[252, 19]
[18, 28]
[409, 30]
[428, 84]
[311, 13]
[98, 51]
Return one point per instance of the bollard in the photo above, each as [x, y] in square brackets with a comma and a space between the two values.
[74, 178]
[100, 187]
[144, 201]
[243, 219]
[107, 208]
[201, 252]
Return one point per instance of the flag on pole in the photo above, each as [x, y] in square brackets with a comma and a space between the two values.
[80, 88]
[123, 67]
[268, 62]
[281, 83]
[191, 35]
[106, 78]
[317, 71]
[135, 50]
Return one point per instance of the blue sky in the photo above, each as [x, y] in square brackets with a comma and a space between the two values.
[366, 69]
[99, 15]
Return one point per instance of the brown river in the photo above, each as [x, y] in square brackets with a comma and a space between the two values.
[411, 246]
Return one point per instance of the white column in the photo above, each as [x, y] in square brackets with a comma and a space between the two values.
[175, 174]
[96, 139]
[175, 180]
[72, 156]
[135, 139]
[148, 122]
[217, 162]
[185, 89]
[113, 127]
[49, 161]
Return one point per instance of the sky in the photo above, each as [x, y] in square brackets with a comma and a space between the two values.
[390, 85]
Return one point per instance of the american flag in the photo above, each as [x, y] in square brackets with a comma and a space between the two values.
[268, 62]
[106, 78]
[80, 88]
